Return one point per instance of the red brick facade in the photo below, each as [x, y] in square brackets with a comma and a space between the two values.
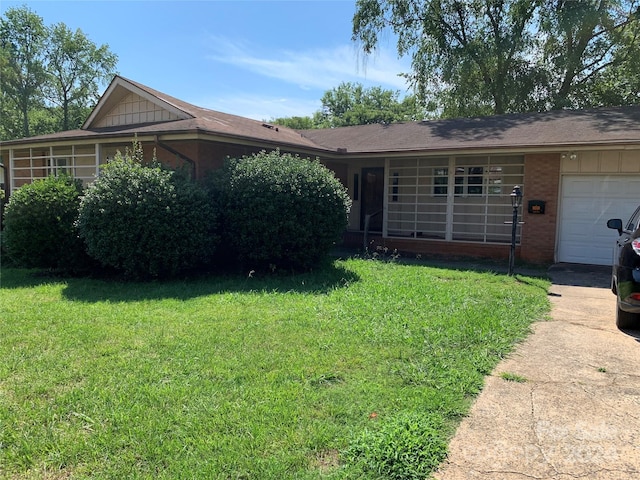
[542, 177]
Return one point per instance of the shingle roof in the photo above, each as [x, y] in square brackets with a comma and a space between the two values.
[202, 120]
[563, 129]
[556, 128]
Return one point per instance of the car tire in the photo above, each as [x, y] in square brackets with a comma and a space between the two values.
[627, 320]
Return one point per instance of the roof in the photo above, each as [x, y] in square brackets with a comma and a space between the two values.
[562, 129]
[556, 128]
[192, 119]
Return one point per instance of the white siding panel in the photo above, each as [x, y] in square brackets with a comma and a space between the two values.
[587, 203]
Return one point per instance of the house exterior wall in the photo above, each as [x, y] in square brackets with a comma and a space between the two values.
[602, 162]
[536, 236]
[424, 248]
[542, 173]
[133, 110]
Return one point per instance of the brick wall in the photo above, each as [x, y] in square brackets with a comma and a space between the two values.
[411, 248]
[542, 177]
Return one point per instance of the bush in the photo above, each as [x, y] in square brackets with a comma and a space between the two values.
[282, 211]
[39, 227]
[146, 221]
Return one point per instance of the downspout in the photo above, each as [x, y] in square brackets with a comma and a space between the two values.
[169, 149]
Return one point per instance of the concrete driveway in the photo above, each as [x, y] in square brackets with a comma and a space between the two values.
[577, 414]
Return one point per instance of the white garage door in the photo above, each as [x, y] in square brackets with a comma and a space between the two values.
[586, 205]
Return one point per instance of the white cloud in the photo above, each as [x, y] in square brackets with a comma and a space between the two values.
[314, 68]
[261, 107]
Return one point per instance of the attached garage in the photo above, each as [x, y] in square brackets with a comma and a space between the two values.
[595, 187]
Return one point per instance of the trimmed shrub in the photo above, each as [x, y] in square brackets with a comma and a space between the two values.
[282, 211]
[39, 229]
[146, 221]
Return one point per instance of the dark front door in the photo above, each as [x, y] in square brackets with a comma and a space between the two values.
[372, 198]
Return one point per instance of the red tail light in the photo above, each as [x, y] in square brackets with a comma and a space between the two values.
[635, 244]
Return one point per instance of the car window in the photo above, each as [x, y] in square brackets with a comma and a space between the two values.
[634, 221]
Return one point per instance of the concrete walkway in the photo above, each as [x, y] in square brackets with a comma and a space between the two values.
[577, 415]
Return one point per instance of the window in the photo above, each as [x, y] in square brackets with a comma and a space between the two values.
[394, 198]
[634, 221]
[28, 164]
[469, 180]
[58, 166]
[494, 180]
[453, 198]
[440, 181]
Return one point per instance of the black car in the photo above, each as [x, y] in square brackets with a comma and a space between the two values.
[625, 279]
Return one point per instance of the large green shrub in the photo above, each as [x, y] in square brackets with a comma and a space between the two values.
[282, 211]
[39, 227]
[146, 221]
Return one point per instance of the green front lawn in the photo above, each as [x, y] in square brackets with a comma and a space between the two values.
[360, 370]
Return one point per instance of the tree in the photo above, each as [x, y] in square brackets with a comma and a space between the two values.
[490, 57]
[352, 104]
[591, 46]
[77, 67]
[23, 38]
[47, 73]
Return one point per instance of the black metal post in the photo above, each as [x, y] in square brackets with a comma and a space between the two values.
[512, 253]
[516, 200]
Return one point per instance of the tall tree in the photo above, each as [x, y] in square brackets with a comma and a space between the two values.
[23, 38]
[353, 104]
[47, 74]
[77, 67]
[494, 56]
[586, 43]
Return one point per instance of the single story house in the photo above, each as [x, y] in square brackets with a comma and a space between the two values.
[431, 187]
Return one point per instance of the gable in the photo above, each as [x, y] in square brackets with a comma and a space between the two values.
[127, 103]
[133, 110]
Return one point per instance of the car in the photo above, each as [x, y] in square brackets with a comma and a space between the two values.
[625, 277]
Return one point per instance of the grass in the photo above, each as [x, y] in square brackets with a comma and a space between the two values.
[513, 377]
[362, 369]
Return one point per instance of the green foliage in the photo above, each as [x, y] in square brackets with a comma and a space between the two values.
[146, 221]
[282, 210]
[478, 57]
[78, 67]
[297, 123]
[39, 225]
[352, 104]
[23, 38]
[408, 446]
[49, 76]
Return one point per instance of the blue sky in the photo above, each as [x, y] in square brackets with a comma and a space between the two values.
[260, 59]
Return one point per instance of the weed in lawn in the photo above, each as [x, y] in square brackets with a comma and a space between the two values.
[405, 446]
[513, 377]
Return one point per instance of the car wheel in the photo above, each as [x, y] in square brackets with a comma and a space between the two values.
[627, 320]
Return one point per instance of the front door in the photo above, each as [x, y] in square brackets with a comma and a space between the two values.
[372, 198]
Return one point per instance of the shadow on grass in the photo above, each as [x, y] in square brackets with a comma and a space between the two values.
[321, 281]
